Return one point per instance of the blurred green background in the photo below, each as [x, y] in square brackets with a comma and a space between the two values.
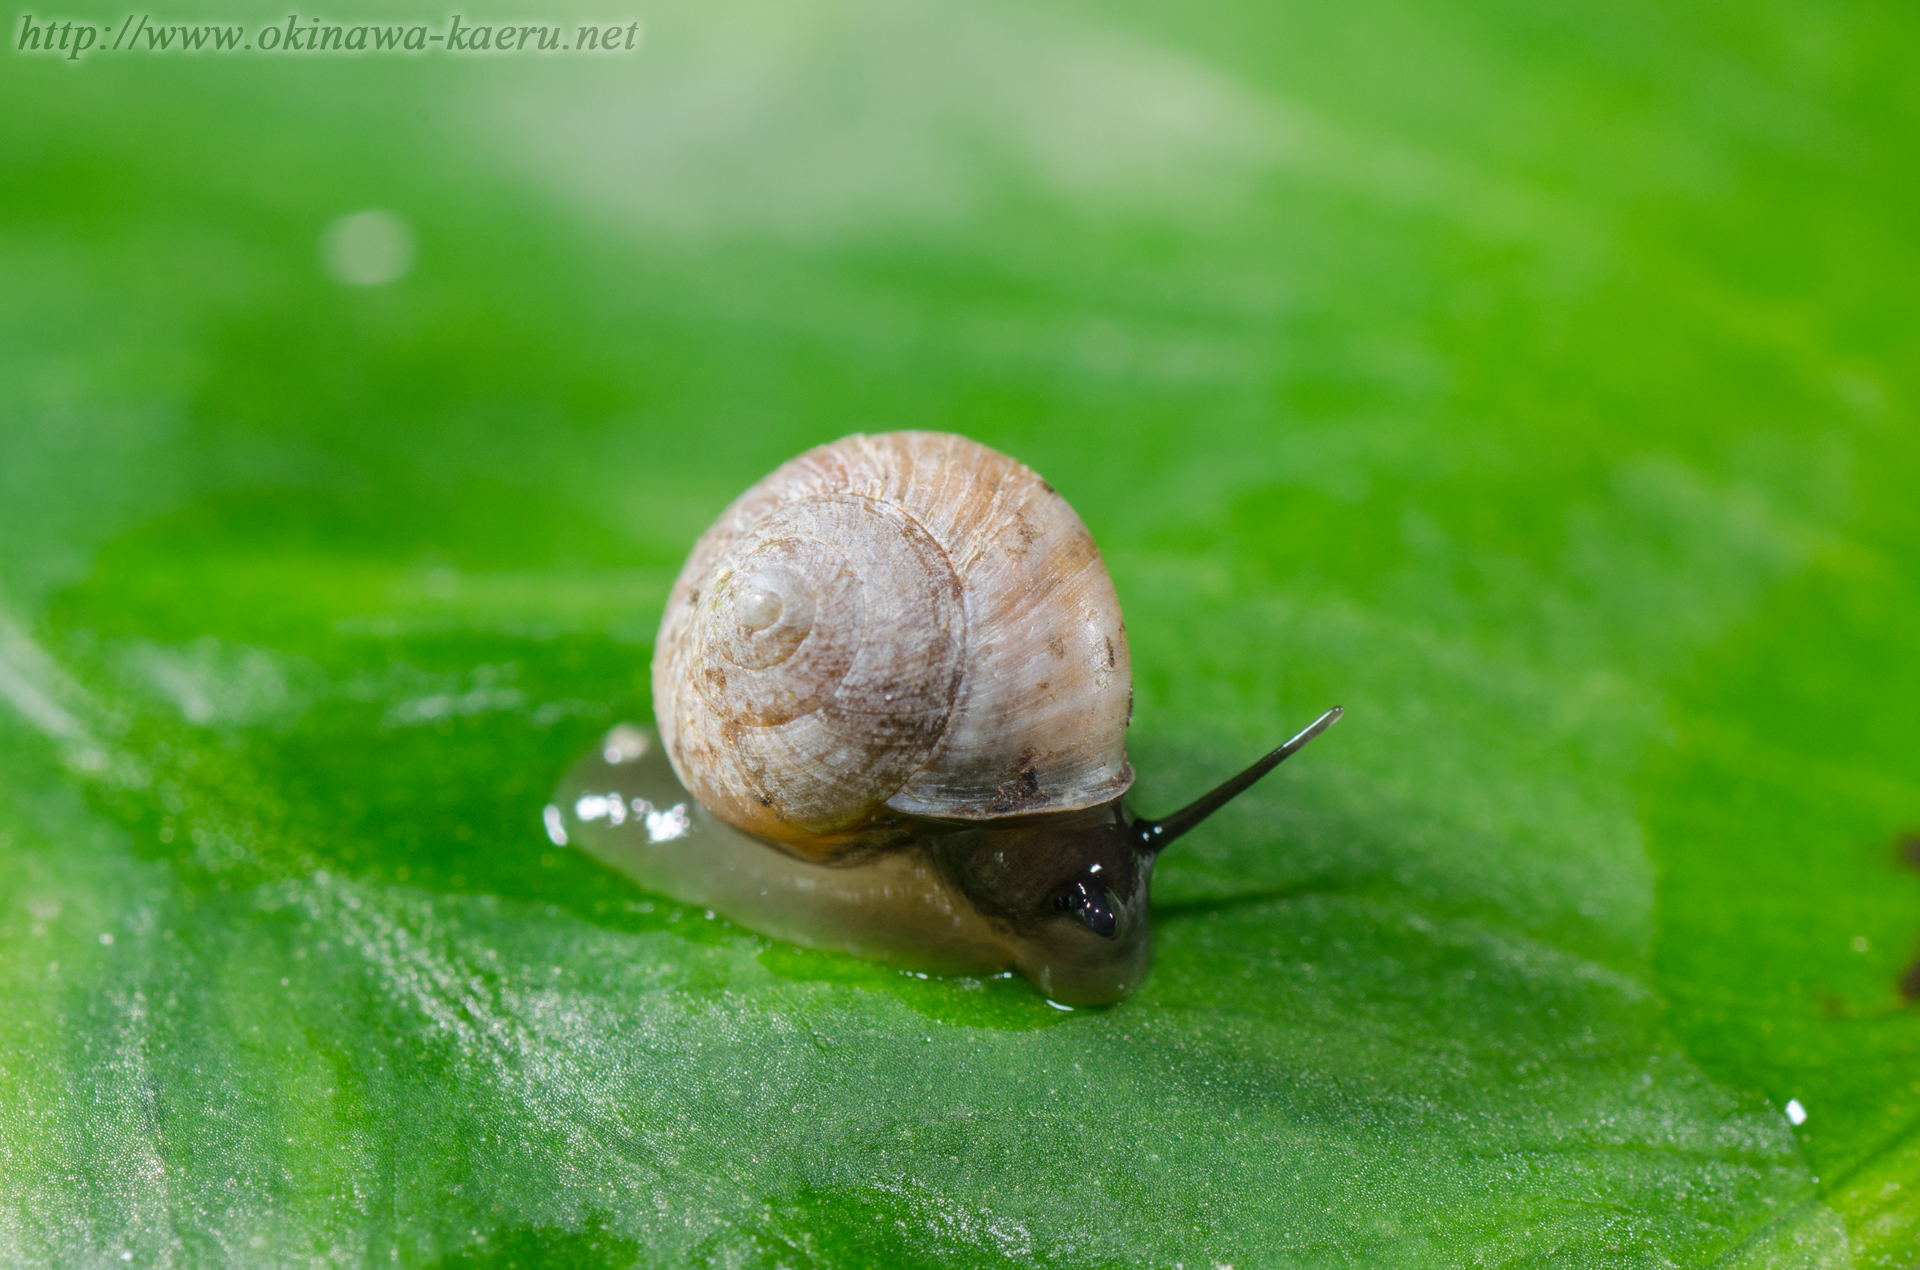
[1536, 380]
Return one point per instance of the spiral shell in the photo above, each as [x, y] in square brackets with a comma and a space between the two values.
[909, 623]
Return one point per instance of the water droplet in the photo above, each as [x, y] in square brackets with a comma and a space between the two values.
[624, 744]
[367, 249]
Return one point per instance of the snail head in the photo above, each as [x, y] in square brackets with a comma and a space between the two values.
[1072, 888]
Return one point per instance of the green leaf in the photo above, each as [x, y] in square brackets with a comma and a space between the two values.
[1538, 384]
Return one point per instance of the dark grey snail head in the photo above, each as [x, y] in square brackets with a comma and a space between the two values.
[1070, 890]
[1073, 889]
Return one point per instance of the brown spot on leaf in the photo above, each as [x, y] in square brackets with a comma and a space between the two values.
[1056, 646]
[1111, 663]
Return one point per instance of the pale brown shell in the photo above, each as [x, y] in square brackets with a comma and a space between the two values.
[909, 622]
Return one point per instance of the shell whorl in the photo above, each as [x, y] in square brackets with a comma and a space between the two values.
[909, 622]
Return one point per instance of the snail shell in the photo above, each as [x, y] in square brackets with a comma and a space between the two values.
[906, 625]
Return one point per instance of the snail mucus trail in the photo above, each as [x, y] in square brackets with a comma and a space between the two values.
[891, 688]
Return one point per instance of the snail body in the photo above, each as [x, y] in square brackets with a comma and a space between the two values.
[892, 691]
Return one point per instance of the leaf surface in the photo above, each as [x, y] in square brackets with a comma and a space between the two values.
[1536, 384]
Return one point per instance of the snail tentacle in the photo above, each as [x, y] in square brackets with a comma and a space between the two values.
[1157, 835]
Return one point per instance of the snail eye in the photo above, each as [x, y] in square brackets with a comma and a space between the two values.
[1093, 904]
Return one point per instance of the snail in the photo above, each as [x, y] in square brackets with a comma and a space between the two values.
[891, 689]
